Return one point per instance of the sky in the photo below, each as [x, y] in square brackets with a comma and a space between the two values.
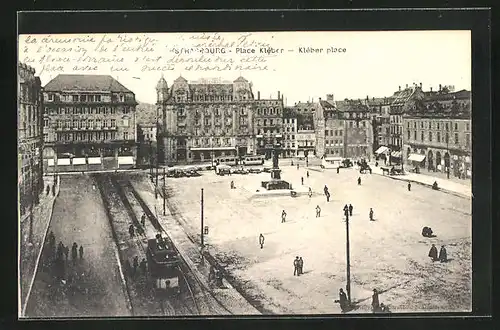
[374, 64]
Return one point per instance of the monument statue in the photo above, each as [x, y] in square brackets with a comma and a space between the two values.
[275, 157]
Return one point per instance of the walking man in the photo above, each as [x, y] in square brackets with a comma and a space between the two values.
[350, 209]
[143, 220]
[310, 193]
[297, 165]
[307, 174]
[296, 266]
[131, 230]
[54, 190]
[359, 181]
[302, 180]
[327, 196]
[443, 255]
[343, 300]
[48, 189]
[261, 241]
[136, 264]
[74, 252]
[81, 251]
[375, 301]
[433, 253]
[325, 189]
[301, 266]
[318, 211]
[371, 214]
[409, 186]
[66, 252]
[283, 216]
[338, 170]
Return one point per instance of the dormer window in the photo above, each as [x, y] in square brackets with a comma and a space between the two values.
[122, 98]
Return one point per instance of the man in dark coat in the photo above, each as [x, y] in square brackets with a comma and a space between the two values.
[443, 255]
[74, 252]
[81, 251]
[307, 174]
[135, 264]
[359, 180]
[433, 253]
[131, 230]
[350, 209]
[48, 190]
[371, 214]
[302, 180]
[283, 216]
[143, 220]
[60, 250]
[338, 170]
[409, 186]
[318, 211]
[343, 301]
[66, 252]
[301, 266]
[325, 190]
[296, 266]
[375, 301]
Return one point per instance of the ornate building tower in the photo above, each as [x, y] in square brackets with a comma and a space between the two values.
[162, 96]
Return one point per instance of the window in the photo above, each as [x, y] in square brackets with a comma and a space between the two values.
[105, 123]
[75, 98]
[113, 110]
[456, 126]
[98, 123]
[75, 123]
[438, 136]
[98, 98]
[83, 98]
[125, 110]
[113, 135]
[113, 122]
[447, 138]
[422, 136]
[415, 135]
[364, 124]
[467, 127]
[45, 122]
[125, 135]
[422, 125]
[437, 126]
[467, 140]
[447, 127]
[408, 134]
[430, 136]
[46, 137]
[51, 97]
[414, 124]
[456, 138]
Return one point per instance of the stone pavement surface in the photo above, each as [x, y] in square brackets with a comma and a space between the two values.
[30, 253]
[79, 216]
[388, 254]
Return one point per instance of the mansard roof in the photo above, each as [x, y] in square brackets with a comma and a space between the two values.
[85, 83]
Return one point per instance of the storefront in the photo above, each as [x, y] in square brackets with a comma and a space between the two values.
[417, 161]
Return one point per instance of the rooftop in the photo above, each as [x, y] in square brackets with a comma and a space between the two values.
[86, 83]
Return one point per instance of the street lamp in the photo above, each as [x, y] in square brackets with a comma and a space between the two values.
[348, 261]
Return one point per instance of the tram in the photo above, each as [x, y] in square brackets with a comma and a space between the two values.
[163, 265]
[253, 160]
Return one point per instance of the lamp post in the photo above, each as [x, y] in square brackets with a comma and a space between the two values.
[201, 229]
[348, 258]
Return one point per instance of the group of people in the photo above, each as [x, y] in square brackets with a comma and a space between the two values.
[377, 307]
[443, 254]
[298, 266]
[132, 268]
[348, 209]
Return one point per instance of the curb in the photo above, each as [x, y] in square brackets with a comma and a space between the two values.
[450, 192]
[25, 302]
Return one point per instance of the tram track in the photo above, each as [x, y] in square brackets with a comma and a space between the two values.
[201, 294]
[186, 303]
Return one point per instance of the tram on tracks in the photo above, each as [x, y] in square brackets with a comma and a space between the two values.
[163, 264]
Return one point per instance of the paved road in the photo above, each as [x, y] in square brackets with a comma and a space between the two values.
[96, 288]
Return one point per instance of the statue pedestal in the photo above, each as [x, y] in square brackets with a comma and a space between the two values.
[276, 174]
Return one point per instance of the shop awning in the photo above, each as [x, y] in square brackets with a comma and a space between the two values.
[416, 157]
[396, 154]
[381, 150]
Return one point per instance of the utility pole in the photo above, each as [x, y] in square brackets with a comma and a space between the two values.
[348, 258]
[164, 191]
[202, 238]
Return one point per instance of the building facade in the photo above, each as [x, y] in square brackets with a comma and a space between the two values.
[357, 131]
[333, 135]
[206, 119]
[438, 136]
[89, 120]
[289, 132]
[30, 137]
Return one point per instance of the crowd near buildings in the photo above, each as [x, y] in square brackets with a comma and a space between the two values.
[88, 122]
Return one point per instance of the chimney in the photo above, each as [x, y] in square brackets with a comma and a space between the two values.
[406, 85]
[367, 97]
[373, 98]
[278, 95]
[400, 88]
[439, 87]
[320, 98]
[258, 95]
[431, 89]
[420, 85]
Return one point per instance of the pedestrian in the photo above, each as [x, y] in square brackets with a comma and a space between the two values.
[143, 220]
[292, 162]
[327, 196]
[131, 230]
[297, 165]
[359, 180]
[307, 174]
[325, 190]
[81, 251]
[48, 189]
[350, 209]
[346, 210]
[433, 253]
[135, 264]
[211, 274]
[443, 255]
[343, 301]
[301, 266]
[261, 241]
[375, 301]
[310, 193]
[143, 266]
[54, 189]
[66, 252]
[409, 186]
[232, 184]
[60, 250]
[302, 180]
[74, 252]
[318, 211]
[338, 170]
[296, 266]
[371, 214]
[283, 216]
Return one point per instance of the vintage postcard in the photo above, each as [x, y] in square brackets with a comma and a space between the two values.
[265, 173]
